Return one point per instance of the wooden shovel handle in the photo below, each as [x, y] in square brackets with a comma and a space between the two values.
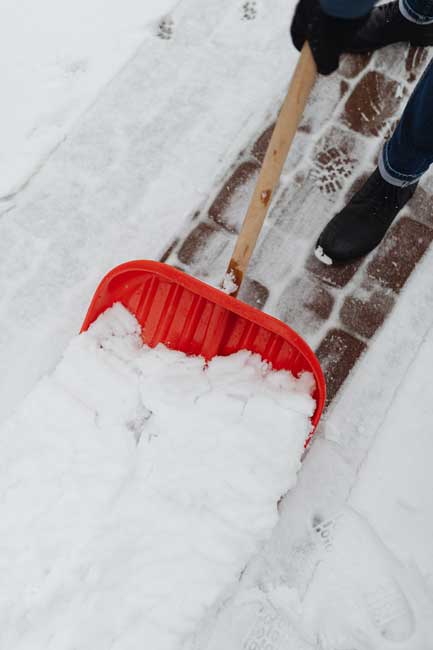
[287, 123]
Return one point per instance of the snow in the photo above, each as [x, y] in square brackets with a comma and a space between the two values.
[378, 574]
[54, 58]
[349, 563]
[321, 256]
[145, 480]
[143, 124]
[229, 285]
[150, 151]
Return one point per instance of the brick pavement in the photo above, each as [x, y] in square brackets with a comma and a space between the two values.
[336, 309]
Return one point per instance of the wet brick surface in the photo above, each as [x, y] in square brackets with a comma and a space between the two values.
[203, 238]
[365, 311]
[415, 61]
[305, 304]
[335, 275]
[374, 101]
[338, 353]
[421, 206]
[227, 196]
[261, 144]
[254, 293]
[392, 62]
[337, 309]
[400, 251]
[164, 257]
[352, 66]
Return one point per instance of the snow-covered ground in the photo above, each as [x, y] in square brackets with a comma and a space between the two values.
[54, 59]
[349, 564]
[138, 148]
[136, 485]
[134, 168]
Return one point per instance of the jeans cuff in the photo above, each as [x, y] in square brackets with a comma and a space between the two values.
[392, 176]
[411, 10]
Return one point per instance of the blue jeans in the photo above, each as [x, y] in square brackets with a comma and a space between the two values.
[409, 153]
[419, 11]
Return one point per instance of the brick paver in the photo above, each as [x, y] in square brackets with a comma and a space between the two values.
[338, 352]
[336, 308]
[224, 210]
[403, 246]
[373, 102]
[335, 275]
[365, 310]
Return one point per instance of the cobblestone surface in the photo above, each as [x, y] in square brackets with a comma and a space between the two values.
[365, 310]
[337, 309]
[402, 248]
[225, 208]
[338, 352]
[373, 102]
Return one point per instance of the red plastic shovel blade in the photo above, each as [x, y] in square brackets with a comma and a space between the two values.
[188, 315]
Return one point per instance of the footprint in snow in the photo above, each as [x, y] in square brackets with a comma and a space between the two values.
[325, 532]
[249, 10]
[366, 570]
[253, 622]
[165, 28]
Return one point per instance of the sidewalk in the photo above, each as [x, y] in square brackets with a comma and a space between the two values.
[337, 309]
[349, 564]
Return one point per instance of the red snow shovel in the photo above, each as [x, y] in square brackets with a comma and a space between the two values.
[188, 315]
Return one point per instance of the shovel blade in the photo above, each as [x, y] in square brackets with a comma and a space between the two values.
[186, 314]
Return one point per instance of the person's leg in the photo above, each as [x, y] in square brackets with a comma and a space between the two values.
[409, 153]
[362, 224]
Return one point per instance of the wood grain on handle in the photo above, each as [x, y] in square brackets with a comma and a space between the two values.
[287, 123]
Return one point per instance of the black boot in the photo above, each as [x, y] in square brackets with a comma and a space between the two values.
[387, 25]
[362, 224]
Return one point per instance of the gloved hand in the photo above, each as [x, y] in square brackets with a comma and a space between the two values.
[328, 36]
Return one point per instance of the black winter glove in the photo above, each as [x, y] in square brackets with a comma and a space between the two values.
[328, 36]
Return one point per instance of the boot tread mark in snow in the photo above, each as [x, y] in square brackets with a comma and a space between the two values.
[249, 10]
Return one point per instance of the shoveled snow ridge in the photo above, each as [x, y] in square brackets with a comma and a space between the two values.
[137, 485]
